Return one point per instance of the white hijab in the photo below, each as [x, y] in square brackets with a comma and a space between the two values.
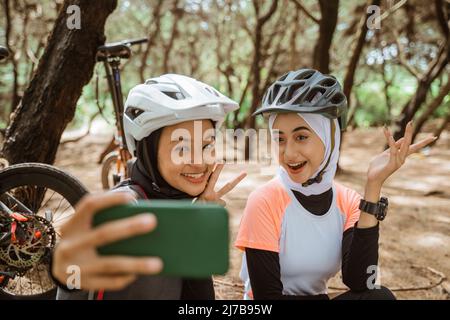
[321, 127]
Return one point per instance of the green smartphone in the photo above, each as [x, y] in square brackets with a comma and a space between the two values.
[191, 239]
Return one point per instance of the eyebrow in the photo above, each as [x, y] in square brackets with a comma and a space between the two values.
[296, 129]
[301, 128]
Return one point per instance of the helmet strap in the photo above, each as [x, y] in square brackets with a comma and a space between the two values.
[318, 177]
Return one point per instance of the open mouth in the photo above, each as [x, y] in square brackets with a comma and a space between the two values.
[296, 166]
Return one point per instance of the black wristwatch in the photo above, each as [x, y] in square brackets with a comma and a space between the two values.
[379, 209]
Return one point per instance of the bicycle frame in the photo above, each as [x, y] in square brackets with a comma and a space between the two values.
[112, 69]
[115, 87]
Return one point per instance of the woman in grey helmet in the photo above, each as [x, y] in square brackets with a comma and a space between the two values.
[302, 227]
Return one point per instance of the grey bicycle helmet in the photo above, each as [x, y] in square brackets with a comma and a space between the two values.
[306, 91]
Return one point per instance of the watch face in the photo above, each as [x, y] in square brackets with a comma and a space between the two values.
[382, 212]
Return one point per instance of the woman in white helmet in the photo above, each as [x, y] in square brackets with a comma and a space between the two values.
[161, 122]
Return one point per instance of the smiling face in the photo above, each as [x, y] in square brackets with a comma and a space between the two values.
[301, 150]
[184, 165]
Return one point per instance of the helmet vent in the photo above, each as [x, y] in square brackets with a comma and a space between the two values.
[209, 90]
[283, 77]
[216, 93]
[174, 95]
[315, 94]
[305, 75]
[328, 82]
[294, 89]
[274, 93]
[338, 98]
[133, 113]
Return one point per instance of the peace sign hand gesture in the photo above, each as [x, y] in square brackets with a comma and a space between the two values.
[389, 161]
[210, 195]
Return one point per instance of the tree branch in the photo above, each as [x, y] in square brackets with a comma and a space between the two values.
[431, 108]
[442, 17]
[305, 11]
[273, 7]
[402, 59]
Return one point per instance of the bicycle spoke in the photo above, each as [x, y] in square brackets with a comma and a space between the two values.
[62, 218]
[43, 206]
[59, 204]
[36, 195]
[66, 208]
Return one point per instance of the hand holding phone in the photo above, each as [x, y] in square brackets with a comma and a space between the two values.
[79, 243]
[191, 239]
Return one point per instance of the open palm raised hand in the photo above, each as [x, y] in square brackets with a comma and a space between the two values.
[386, 163]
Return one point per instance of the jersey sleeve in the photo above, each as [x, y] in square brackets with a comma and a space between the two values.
[260, 226]
[348, 203]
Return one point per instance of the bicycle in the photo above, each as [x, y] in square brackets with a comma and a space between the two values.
[116, 160]
[35, 199]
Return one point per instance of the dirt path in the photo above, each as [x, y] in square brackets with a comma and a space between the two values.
[415, 238]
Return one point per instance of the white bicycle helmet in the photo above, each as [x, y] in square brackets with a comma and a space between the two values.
[171, 99]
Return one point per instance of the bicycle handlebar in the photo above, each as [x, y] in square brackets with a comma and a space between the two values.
[4, 53]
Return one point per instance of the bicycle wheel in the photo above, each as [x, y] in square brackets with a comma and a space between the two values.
[111, 172]
[47, 196]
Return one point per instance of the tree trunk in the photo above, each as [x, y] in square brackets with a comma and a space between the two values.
[156, 20]
[356, 54]
[177, 14]
[255, 69]
[50, 100]
[8, 30]
[329, 11]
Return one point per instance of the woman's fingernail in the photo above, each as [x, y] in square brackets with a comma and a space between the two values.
[148, 219]
[155, 264]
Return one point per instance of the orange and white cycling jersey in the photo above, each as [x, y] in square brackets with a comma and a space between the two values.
[309, 246]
